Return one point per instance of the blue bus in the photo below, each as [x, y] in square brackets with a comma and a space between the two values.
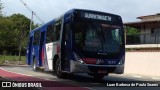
[80, 41]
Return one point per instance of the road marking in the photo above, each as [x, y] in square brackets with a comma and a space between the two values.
[16, 72]
[27, 75]
[43, 78]
[137, 76]
[122, 75]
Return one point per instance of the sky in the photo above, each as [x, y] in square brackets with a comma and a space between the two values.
[47, 10]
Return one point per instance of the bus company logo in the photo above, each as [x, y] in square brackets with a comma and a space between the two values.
[99, 61]
[6, 84]
[48, 48]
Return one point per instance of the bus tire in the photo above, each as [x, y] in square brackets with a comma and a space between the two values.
[34, 67]
[58, 71]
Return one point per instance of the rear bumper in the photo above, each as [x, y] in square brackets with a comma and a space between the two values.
[76, 67]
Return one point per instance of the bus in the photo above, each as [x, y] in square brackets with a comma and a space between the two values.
[80, 41]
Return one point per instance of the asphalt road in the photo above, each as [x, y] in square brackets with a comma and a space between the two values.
[86, 81]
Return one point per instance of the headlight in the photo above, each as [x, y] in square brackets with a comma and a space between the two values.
[81, 61]
[122, 60]
[78, 59]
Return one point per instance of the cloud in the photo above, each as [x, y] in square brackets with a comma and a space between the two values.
[49, 9]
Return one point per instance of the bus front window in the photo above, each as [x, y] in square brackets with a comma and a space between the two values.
[97, 37]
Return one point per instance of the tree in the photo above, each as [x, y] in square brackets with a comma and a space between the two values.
[21, 27]
[132, 31]
[5, 34]
[1, 7]
[14, 33]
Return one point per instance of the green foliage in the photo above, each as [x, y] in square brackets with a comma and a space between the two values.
[5, 33]
[21, 27]
[1, 7]
[132, 31]
[14, 33]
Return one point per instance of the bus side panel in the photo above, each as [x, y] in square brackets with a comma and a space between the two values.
[50, 50]
[29, 51]
[49, 56]
[35, 54]
[43, 55]
[45, 65]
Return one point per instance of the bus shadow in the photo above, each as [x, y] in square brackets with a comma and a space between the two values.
[84, 78]
[90, 79]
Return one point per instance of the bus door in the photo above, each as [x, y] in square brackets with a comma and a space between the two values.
[48, 59]
[66, 47]
[41, 49]
[29, 50]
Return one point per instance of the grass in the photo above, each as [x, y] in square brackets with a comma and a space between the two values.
[11, 59]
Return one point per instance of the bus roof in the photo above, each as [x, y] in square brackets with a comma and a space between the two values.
[68, 13]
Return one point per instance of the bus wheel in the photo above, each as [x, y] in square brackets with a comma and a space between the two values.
[34, 65]
[58, 69]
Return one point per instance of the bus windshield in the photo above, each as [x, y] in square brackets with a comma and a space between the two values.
[97, 37]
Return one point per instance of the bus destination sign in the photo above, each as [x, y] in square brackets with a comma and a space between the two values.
[96, 16]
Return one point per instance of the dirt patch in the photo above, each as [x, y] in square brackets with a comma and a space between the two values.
[7, 62]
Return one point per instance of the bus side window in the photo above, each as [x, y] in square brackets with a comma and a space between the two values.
[36, 37]
[78, 34]
[50, 32]
[57, 32]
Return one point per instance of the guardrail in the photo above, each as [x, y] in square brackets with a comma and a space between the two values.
[143, 39]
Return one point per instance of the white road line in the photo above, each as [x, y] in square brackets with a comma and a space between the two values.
[16, 72]
[42, 78]
[137, 76]
[122, 75]
[28, 75]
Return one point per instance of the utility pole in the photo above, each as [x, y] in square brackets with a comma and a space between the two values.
[31, 21]
[33, 13]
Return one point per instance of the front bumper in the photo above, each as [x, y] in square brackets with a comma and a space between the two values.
[76, 67]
